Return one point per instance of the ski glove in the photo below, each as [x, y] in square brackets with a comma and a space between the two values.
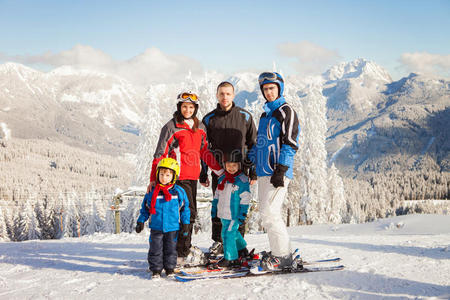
[252, 174]
[248, 168]
[139, 227]
[185, 230]
[277, 178]
[203, 178]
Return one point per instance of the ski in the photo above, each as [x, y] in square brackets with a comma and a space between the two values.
[258, 271]
[215, 269]
[245, 272]
[231, 274]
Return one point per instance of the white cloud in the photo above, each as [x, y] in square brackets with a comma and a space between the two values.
[78, 56]
[156, 66]
[310, 58]
[427, 63]
[151, 66]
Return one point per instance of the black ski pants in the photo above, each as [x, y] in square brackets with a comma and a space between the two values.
[184, 242]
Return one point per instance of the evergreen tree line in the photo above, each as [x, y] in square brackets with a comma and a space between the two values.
[383, 195]
[72, 215]
[48, 188]
[35, 169]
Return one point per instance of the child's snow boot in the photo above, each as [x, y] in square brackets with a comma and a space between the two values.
[156, 274]
[243, 253]
[225, 263]
[170, 273]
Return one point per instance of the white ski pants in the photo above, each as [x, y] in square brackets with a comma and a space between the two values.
[270, 202]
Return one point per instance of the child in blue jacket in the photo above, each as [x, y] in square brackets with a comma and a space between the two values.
[230, 204]
[166, 206]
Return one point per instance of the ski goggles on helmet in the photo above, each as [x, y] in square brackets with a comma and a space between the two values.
[187, 97]
[269, 76]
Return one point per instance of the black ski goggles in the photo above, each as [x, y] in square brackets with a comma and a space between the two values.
[270, 76]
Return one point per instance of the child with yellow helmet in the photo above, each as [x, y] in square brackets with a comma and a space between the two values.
[165, 206]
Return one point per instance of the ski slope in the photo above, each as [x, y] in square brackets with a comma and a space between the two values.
[406, 257]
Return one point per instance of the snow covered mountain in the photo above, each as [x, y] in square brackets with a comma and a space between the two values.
[83, 108]
[377, 125]
[371, 119]
[353, 88]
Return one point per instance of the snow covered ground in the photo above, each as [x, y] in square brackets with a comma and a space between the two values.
[405, 257]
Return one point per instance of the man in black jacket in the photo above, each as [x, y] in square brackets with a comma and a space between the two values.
[228, 128]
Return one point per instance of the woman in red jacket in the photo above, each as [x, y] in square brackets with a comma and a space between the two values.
[184, 139]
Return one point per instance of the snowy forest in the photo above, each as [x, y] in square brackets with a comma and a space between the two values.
[50, 190]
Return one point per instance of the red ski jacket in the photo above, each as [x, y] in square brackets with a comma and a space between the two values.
[187, 146]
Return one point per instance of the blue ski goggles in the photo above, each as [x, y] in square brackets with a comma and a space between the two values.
[269, 76]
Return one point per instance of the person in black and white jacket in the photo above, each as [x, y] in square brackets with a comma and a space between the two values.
[228, 128]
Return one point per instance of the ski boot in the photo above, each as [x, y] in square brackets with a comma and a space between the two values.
[196, 257]
[297, 263]
[229, 264]
[271, 262]
[247, 258]
[216, 249]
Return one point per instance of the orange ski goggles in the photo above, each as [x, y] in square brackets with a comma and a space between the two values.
[185, 97]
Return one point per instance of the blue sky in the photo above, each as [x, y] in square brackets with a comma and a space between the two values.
[301, 37]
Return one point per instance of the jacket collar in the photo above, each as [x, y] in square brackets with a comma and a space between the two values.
[220, 111]
[182, 125]
[269, 107]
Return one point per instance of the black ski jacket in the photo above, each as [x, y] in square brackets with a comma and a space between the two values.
[228, 131]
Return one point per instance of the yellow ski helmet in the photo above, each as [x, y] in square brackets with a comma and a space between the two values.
[171, 164]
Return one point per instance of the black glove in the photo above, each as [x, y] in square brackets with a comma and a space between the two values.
[139, 227]
[203, 178]
[277, 178]
[252, 174]
[185, 230]
[204, 172]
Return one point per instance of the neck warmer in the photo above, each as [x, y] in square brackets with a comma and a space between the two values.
[228, 178]
[167, 196]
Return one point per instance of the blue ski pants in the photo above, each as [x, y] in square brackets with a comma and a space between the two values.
[163, 250]
[232, 239]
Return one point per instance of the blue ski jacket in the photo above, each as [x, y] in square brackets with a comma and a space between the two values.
[232, 202]
[169, 214]
[277, 140]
